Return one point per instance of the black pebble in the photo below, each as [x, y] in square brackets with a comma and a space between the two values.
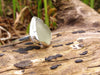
[80, 31]
[58, 55]
[98, 31]
[55, 66]
[28, 43]
[4, 51]
[21, 50]
[37, 47]
[53, 57]
[50, 58]
[24, 50]
[1, 54]
[32, 47]
[78, 61]
[24, 38]
[84, 53]
[74, 32]
[23, 64]
[29, 48]
[69, 43]
[58, 45]
[58, 34]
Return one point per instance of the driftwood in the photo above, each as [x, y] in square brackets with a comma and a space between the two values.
[74, 12]
[74, 50]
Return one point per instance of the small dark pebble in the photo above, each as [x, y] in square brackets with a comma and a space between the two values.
[78, 61]
[21, 50]
[53, 57]
[58, 55]
[50, 58]
[58, 34]
[23, 64]
[24, 50]
[55, 66]
[28, 43]
[4, 51]
[24, 38]
[84, 53]
[98, 31]
[58, 45]
[80, 31]
[29, 48]
[74, 32]
[69, 43]
[37, 47]
[1, 54]
[32, 47]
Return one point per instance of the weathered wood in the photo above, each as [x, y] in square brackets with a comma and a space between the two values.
[74, 12]
[87, 63]
[65, 50]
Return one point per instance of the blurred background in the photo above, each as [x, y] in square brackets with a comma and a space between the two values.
[15, 16]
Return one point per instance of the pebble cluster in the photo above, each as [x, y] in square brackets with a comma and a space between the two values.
[27, 63]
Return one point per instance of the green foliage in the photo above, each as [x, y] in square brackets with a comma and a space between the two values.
[18, 6]
[1, 9]
[86, 1]
[92, 3]
[46, 13]
[42, 7]
[50, 3]
[55, 25]
[39, 8]
[89, 2]
[27, 31]
[14, 8]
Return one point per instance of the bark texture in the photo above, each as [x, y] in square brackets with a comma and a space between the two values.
[74, 12]
[75, 50]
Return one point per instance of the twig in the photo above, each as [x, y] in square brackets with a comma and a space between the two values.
[2, 42]
[19, 16]
[9, 35]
